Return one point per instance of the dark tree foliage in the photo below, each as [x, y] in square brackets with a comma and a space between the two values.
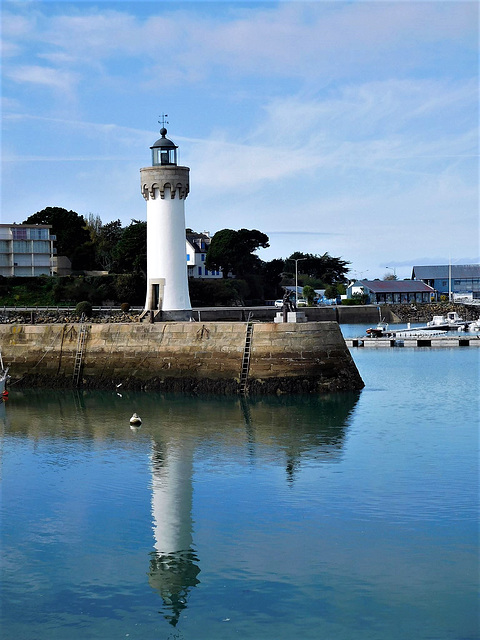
[272, 277]
[130, 253]
[68, 226]
[232, 251]
[84, 257]
[107, 238]
[223, 293]
[325, 267]
[130, 287]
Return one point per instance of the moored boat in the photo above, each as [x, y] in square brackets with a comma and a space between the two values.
[3, 377]
[449, 321]
[475, 325]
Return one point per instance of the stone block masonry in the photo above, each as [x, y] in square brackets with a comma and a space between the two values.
[183, 356]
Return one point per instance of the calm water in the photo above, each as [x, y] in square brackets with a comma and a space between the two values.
[343, 517]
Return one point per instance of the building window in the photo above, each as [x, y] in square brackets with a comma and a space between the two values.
[22, 246]
[188, 256]
[38, 234]
[203, 257]
[199, 271]
[19, 234]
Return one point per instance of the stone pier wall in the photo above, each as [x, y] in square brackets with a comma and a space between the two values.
[189, 356]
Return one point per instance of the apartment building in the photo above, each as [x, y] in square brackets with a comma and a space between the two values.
[26, 250]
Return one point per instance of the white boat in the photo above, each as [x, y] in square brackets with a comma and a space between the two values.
[450, 320]
[135, 420]
[475, 325]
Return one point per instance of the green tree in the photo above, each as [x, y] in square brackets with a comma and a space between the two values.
[68, 226]
[107, 238]
[309, 294]
[232, 251]
[84, 257]
[130, 253]
[325, 267]
[331, 291]
[130, 287]
[272, 273]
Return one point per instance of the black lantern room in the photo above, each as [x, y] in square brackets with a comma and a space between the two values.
[164, 152]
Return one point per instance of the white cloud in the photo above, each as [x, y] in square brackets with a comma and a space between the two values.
[302, 40]
[46, 76]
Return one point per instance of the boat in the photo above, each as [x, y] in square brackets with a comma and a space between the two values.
[474, 326]
[4, 377]
[380, 331]
[449, 321]
[135, 420]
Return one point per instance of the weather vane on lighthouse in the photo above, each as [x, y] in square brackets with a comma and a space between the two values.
[163, 122]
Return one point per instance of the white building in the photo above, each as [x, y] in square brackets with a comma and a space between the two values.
[26, 250]
[197, 247]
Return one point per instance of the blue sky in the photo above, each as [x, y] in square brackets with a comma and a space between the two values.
[346, 127]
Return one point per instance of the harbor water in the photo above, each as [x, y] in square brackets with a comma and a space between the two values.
[348, 516]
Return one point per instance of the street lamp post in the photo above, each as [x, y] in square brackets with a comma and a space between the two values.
[394, 271]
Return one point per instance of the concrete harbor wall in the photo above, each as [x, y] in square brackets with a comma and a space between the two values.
[191, 356]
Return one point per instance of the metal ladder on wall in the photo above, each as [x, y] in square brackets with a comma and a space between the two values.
[77, 368]
[246, 358]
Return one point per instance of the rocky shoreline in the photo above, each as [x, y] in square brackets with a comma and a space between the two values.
[425, 312]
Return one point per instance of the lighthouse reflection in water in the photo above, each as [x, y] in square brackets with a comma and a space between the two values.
[173, 565]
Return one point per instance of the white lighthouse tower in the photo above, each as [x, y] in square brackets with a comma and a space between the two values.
[165, 186]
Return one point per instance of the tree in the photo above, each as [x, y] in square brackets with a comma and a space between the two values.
[309, 294]
[130, 253]
[272, 272]
[84, 257]
[232, 251]
[325, 267]
[107, 238]
[68, 226]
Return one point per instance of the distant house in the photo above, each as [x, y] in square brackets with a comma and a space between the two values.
[462, 280]
[197, 247]
[26, 250]
[392, 291]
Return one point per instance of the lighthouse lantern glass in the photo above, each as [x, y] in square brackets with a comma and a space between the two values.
[163, 156]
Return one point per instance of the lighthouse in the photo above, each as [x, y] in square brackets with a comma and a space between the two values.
[165, 186]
